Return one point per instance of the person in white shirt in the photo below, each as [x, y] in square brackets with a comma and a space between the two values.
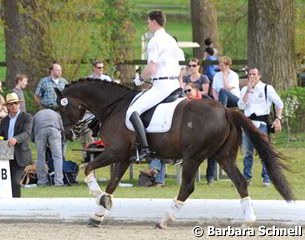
[256, 100]
[163, 68]
[225, 86]
[98, 69]
[87, 135]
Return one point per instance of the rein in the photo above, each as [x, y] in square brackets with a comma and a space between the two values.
[75, 129]
[104, 109]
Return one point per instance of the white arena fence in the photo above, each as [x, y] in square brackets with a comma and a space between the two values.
[139, 209]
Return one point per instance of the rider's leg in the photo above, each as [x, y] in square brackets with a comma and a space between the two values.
[141, 134]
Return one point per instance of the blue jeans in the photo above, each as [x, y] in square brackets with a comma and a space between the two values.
[160, 167]
[227, 99]
[248, 158]
[211, 168]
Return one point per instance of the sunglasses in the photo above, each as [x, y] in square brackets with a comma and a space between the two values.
[99, 67]
[13, 103]
[187, 91]
[193, 65]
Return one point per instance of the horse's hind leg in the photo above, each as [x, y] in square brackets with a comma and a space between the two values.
[226, 158]
[189, 170]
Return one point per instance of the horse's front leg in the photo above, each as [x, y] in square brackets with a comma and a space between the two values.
[104, 200]
[104, 159]
[189, 170]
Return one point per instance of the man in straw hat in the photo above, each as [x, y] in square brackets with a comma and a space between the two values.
[16, 128]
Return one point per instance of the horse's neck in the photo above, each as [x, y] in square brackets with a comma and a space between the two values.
[98, 100]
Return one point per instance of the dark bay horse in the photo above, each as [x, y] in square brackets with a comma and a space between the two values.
[200, 129]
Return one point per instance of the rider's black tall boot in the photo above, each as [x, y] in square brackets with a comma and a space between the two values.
[141, 135]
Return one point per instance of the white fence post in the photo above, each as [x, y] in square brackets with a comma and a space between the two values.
[6, 154]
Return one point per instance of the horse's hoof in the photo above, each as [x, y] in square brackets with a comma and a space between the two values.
[105, 200]
[160, 226]
[93, 223]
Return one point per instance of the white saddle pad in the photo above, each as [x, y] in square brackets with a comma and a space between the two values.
[162, 118]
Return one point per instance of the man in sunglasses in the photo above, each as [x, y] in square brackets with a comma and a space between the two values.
[98, 72]
[87, 138]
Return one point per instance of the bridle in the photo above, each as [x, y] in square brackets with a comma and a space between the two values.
[75, 127]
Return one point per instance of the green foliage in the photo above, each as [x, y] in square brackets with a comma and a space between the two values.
[222, 189]
[300, 33]
[294, 109]
[31, 105]
[232, 26]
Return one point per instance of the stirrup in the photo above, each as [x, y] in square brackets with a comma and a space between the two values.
[143, 154]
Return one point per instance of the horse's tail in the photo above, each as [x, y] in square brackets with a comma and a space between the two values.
[267, 153]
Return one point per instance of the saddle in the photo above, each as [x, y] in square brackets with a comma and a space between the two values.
[147, 115]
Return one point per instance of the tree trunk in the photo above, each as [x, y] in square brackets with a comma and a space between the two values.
[27, 50]
[204, 24]
[271, 41]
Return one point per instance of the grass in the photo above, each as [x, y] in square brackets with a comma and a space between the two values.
[222, 189]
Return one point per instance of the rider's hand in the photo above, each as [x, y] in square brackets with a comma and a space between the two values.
[138, 81]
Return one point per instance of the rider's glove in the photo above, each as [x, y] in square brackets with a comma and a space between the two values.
[138, 81]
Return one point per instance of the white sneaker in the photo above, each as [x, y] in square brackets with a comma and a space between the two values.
[266, 184]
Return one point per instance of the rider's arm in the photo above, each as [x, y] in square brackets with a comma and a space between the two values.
[148, 70]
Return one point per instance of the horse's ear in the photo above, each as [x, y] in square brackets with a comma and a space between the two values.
[59, 93]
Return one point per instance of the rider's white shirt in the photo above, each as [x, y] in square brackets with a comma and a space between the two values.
[163, 50]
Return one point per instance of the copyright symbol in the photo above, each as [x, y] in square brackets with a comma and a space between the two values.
[198, 231]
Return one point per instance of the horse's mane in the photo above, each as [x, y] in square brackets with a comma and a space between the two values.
[96, 80]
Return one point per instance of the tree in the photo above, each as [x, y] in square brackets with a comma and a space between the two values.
[271, 41]
[118, 35]
[73, 32]
[27, 47]
[204, 24]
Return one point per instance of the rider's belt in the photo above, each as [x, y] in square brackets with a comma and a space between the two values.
[165, 78]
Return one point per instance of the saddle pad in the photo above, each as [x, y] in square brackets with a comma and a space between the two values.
[162, 118]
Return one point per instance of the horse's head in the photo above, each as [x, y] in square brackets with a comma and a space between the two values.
[71, 111]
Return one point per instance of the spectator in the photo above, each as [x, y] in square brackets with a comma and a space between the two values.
[208, 43]
[225, 86]
[16, 129]
[192, 92]
[47, 130]
[21, 81]
[202, 82]
[3, 109]
[256, 100]
[45, 95]
[157, 171]
[210, 70]
[98, 69]
[87, 137]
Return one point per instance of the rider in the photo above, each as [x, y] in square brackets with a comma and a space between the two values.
[163, 68]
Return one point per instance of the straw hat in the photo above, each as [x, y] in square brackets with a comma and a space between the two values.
[12, 98]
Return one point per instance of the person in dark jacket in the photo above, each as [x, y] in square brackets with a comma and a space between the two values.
[16, 128]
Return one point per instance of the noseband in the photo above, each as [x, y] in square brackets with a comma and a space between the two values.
[75, 126]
